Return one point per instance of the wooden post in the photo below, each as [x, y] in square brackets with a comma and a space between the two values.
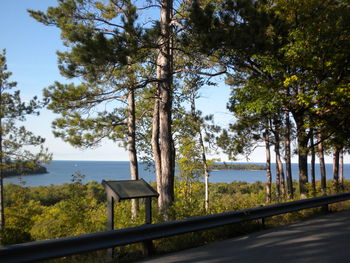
[110, 219]
[148, 248]
[148, 204]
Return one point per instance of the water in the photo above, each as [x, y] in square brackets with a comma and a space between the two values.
[61, 172]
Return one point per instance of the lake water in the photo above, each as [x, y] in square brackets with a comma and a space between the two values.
[61, 172]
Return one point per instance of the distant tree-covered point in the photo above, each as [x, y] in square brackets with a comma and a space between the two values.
[25, 171]
[236, 166]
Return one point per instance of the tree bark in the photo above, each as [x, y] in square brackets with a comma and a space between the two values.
[134, 173]
[278, 179]
[164, 75]
[268, 167]
[313, 179]
[322, 164]
[341, 168]
[288, 158]
[336, 168]
[156, 149]
[206, 171]
[280, 182]
[302, 139]
[204, 157]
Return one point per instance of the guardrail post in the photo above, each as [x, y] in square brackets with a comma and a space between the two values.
[325, 209]
[110, 219]
[263, 222]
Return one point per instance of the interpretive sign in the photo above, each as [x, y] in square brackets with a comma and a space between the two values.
[129, 189]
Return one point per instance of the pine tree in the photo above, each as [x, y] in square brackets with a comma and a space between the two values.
[16, 143]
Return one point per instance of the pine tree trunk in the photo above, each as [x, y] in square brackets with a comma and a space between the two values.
[132, 146]
[302, 139]
[280, 182]
[336, 168]
[204, 157]
[156, 149]
[268, 167]
[206, 171]
[313, 179]
[341, 168]
[164, 74]
[278, 179]
[322, 164]
[288, 159]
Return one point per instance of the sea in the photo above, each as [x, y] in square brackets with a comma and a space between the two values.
[60, 172]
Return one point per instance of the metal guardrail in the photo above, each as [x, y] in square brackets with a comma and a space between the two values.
[41, 250]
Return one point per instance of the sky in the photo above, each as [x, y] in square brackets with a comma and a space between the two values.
[31, 57]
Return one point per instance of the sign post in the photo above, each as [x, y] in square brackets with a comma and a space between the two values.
[129, 189]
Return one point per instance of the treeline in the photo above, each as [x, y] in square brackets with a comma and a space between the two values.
[236, 166]
[25, 170]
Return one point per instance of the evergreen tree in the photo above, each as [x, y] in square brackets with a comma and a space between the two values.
[16, 143]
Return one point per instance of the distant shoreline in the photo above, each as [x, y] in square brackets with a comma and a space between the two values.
[24, 172]
[237, 166]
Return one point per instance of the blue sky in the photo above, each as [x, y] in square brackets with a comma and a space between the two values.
[31, 58]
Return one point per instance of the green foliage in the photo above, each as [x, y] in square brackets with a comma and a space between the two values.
[105, 51]
[15, 141]
[77, 208]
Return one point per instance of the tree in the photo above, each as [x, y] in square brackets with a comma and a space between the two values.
[110, 52]
[301, 47]
[16, 143]
[106, 52]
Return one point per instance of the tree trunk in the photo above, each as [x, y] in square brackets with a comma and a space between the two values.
[201, 143]
[322, 164]
[278, 179]
[132, 146]
[280, 182]
[313, 179]
[302, 139]
[206, 171]
[268, 167]
[341, 168]
[336, 168]
[156, 149]
[164, 75]
[288, 158]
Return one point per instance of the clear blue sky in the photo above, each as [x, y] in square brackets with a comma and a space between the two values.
[31, 58]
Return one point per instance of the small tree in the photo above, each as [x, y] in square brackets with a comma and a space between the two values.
[16, 143]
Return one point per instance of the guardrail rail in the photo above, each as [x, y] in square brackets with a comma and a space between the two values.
[55, 248]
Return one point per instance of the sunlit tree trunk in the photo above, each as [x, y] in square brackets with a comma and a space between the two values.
[341, 168]
[156, 149]
[164, 76]
[206, 172]
[322, 164]
[204, 157]
[268, 166]
[313, 179]
[288, 158]
[132, 146]
[280, 182]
